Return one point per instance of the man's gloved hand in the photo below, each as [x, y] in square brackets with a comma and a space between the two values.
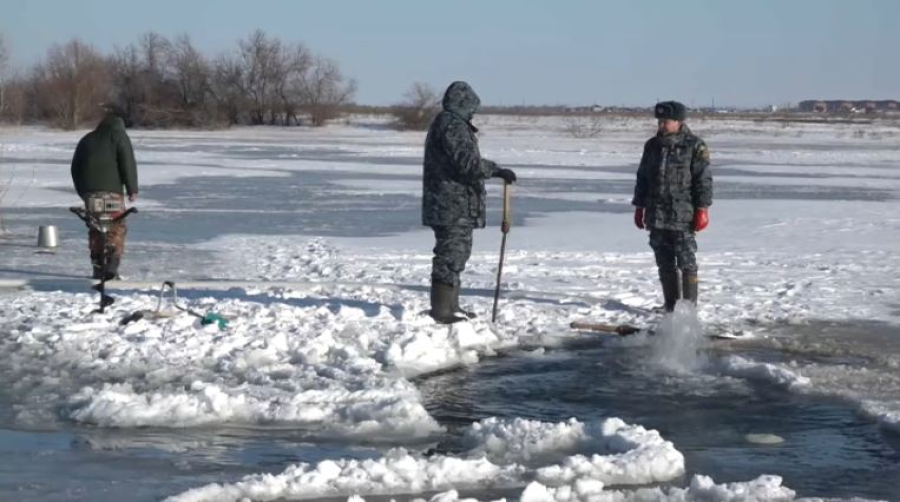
[132, 197]
[507, 174]
[701, 219]
[639, 217]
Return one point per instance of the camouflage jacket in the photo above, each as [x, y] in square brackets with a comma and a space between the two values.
[453, 170]
[673, 180]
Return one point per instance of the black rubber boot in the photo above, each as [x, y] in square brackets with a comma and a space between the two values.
[97, 269]
[669, 281]
[442, 303]
[455, 307]
[689, 285]
[112, 268]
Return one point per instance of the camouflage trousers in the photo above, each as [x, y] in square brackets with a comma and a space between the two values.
[115, 236]
[674, 250]
[452, 249]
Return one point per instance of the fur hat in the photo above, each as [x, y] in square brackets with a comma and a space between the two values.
[670, 110]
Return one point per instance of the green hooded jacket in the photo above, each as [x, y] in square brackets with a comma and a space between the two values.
[104, 160]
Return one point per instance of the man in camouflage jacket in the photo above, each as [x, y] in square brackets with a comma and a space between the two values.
[672, 195]
[453, 195]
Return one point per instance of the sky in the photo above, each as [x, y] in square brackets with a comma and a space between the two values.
[628, 52]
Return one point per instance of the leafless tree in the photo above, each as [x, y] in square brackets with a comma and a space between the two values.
[325, 91]
[258, 56]
[4, 63]
[164, 83]
[4, 75]
[155, 50]
[192, 74]
[583, 126]
[420, 104]
[15, 99]
[126, 72]
[73, 82]
[144, 81]
[228, 88]
[264, 81]
[295, 62]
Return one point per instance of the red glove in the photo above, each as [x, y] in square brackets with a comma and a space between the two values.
[701, 219]
[639, 217]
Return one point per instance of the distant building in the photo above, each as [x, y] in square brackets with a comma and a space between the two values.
[844, 106]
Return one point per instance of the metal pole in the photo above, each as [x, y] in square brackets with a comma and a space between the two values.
[504, 227]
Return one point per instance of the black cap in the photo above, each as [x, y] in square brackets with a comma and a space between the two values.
[670, 110]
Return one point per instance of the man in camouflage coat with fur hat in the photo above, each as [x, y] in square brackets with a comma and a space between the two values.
[672, 196]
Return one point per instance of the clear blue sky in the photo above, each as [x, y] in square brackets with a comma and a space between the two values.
[750, 52]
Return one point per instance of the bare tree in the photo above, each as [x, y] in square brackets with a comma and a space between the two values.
[192, 74]
[126, 71]
[325, 91]
[264, 81]
[294, 62]
[259, 61]
[16, 102]
[4, 60]
[420, 104]
[74, 82]
[4, 64]
[228, 88]
[155, 50]
[164, 83]
[583, 126]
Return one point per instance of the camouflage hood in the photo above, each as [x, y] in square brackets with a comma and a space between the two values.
[461, 100]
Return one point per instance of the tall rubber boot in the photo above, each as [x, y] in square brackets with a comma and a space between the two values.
[112, 268]
[442, 303]
[455, 307]
[97, 268]
[689, 286]
[669, 281]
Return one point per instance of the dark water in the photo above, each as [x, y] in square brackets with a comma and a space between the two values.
[828, 449]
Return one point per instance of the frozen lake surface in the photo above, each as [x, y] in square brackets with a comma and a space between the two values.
[330, 379]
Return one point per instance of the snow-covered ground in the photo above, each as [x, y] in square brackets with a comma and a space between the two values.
[309, 242]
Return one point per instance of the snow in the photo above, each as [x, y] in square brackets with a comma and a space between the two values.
[327, 333]
[703, 488]
[625, 455]
[300, 360]
[396, 473]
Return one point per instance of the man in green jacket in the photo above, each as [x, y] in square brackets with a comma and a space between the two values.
[103, 167]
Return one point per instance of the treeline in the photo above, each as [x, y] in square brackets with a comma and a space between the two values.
[158, 82]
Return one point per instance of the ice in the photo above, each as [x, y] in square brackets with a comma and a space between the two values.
[702, 488]
[774, 374]
[396, 473]
[531, 442]
[501, 454]
[329, 332]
